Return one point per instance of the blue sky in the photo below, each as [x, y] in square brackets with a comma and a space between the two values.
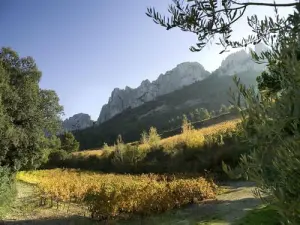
[86, 48]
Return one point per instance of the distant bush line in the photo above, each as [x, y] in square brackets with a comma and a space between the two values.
[193, 151]
[208, 94]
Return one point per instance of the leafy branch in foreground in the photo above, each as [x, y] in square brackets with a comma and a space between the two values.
[271, 126]
[271, 116]
[210, 19]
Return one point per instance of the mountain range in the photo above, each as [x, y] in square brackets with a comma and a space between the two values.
[186, 86]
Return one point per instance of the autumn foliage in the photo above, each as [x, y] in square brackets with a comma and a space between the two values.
[109, 196]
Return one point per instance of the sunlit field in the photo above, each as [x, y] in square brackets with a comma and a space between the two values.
[197, 137]
[194, 138]
[97, 152]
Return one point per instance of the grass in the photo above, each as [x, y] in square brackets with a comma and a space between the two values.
[193, 151]
[97, 152]
[26, 206]
[264, 215]
[196, 138]
[6, 200]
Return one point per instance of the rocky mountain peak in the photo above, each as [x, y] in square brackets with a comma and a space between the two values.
[77, 122]
[183, 74]
[241, 61]
[260, 47]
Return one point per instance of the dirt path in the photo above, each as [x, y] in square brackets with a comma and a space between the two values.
[225, 210]
[233, 204]
[27, 210]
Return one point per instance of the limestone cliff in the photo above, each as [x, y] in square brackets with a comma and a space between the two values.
[241, 61]
[77, 122]
[182, 75]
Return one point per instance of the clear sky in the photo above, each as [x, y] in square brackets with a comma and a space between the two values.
[86, 48]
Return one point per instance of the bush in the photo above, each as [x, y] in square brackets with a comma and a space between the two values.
[150, 140]
[69, 143]
[7, 190]
[194, 151]
[153, 138]
[56, 158]
[271, 127]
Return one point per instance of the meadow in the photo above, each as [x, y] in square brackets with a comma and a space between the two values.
[108, 196]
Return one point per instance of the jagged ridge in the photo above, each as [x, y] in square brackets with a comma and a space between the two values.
[182, 75]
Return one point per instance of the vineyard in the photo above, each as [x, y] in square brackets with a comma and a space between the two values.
[110, 196]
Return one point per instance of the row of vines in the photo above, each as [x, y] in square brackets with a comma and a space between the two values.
[109, 196]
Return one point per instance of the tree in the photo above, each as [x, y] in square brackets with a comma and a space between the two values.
[69, 143]
[212, 19]
[186, 126]
[209, 19]
[27, 112]
[197, 115]
[144, 137]
[192, 116]
[153, 138]
[223, 109]
[270, 118]
[48, 146]
[204, 114]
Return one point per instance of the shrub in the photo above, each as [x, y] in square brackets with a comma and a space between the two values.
[270, 125]
[56, 158]
[69, 143]
[186, 125]
[153, 137]
[118, 153]
[7, 190]
[193, 151]
[144, 138]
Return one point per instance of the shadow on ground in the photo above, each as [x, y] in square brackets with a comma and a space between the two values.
[72, 220]
[217, 212]
[225, 210]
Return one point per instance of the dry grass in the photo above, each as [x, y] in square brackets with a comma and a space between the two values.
[196, 134]
[97, 152]
[194, 138]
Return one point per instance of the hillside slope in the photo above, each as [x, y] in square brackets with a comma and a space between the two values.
[209, 93]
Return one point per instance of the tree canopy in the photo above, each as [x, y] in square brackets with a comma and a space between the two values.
[270, 122]
[210, 19]
[27, 112]
[69, 143]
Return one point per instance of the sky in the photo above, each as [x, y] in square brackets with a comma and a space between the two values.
[86, 48]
